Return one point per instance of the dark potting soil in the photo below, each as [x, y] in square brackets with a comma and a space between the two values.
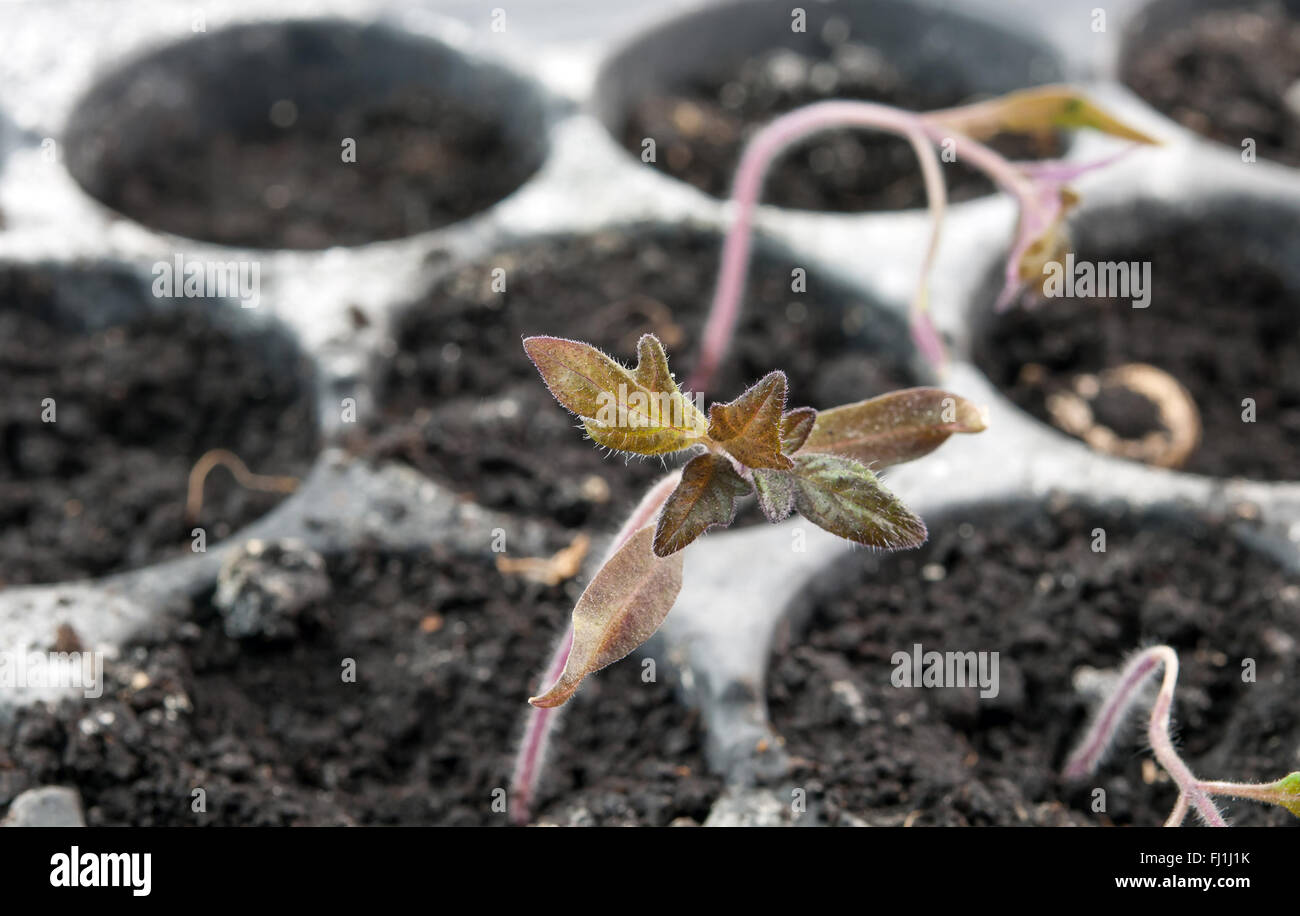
[1027, 584]
[1220, 321]
[1228, 74]
[422, 161]
[459, 399]
[103, 487]
[700, 129]
[446, 653]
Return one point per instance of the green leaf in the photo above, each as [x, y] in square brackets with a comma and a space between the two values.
[1288, 792]
[1037, 110]
[621, 608]
[842, 496]
[749, 428]
[640, 410]
[775, 493]
[795, 426]
[893, 428]
[705, 497]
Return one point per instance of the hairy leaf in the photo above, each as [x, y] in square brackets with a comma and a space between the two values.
[842, 496]
[577, 373]
[706, 497]
[795, 426]
[775, 493]
[640, 441]
[749, 428]
[1037, 110]
[893, 428]
[1288, 792]
[652, 365]
[621, 608]
[639, 411]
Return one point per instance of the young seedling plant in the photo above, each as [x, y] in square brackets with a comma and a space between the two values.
[819, 464]
[1193, 793]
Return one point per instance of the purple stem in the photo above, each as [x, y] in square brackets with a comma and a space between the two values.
[1179, 814]
[1090, 752]
[1100, 736]
[765, 146]
[1163, 745]
[537, 733]
[1264, 792]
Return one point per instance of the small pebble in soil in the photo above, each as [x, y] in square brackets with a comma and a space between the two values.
[47, 806]
[264, 586]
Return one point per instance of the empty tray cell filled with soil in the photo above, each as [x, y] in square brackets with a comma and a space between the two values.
[700, 86]
[111, 400]
[1172, 337]
[380, 688]
[305, 135]
[460, 401]
[1041, 605]
[1226, 69]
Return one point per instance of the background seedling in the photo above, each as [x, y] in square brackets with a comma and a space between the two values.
[1040, 189]
[1192, 792]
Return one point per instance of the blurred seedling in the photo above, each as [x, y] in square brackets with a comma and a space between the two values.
[818, 463]
[1193, 793]
[1041, 189]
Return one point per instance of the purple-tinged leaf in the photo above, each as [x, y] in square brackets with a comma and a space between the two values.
[749, 428]
[639, 411]
[842, 496]
[652, 365]
[579, 376]
[623, 605]
[1062, 171]
[1041, 238]
[893, 428]
[775, 493]
[705, 498]
[795, 426]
